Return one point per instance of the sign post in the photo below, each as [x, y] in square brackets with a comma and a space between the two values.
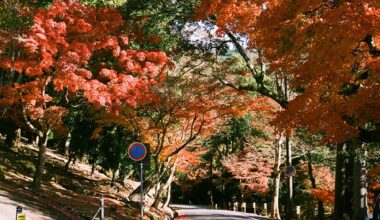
[137, 152]
[142, 190]
[101, 207]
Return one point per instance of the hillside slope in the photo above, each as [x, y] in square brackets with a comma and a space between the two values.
[64, 195]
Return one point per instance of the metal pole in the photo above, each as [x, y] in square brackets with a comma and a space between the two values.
[101, 207]
[142, 190]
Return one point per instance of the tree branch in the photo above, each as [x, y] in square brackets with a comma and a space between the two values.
[191, 137]
[29, 124]
[258, 77]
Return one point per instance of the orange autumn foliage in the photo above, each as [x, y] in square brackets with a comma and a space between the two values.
[325, 184]
[188, 161]
[373, 176]
[186, 108]
[253, 168]
[323, 195]
[324, 181]
[328, 49]
[194, 110]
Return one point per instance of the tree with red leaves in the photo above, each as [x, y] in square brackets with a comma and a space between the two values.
[329, 52]
[72, 54]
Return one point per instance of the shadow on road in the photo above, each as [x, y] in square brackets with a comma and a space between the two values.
[195, 212]
[221, 216]
[188, 207]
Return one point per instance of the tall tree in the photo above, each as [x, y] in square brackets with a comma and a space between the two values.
[333, 68]
[73, 52]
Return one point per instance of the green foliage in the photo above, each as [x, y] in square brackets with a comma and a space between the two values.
[37, 3]
[160, 21]
[81, 128]
[10, 19]
[236, 133]
[180, 175]
[100, 3]
[373, 154]
[26, 166]
[232, 138]
[113, 148]
[109, 150]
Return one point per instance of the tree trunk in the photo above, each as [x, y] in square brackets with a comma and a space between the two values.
[113, 176]
[359, 178]
[67, 165]
[16, 144]
[289, 213]
[321, 211]
[37, 179]
[66, 149]
[376, 208]
[339, 181]
[13, 138]
[348, 184]
[92, 168]
[167, 184]
[277, 178]
[10, 137]
[211, 164]
[129, 174]
[123, 176]
[168, 197]
[152, 183]
[151, 187]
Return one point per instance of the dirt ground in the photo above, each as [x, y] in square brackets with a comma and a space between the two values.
[63, 195]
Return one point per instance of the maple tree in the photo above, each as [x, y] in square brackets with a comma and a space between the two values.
[256, 77]
[323, 195]
[188, 106]
[144, 15]
[334, 70]
[234, 149]
[298, 54]
[236, 161]
[206, 105]
[252, 170]
[322, 186]
[73, 52]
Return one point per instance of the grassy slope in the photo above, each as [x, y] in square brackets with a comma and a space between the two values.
[74, 194]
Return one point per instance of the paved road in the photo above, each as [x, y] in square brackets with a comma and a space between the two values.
[194, 212]
[33, 211]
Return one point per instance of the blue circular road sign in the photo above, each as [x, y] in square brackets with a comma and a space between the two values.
[290, 171]
[137, 151]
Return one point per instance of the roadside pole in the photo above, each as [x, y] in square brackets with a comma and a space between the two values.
[142, 189]
[101, 207]
[137, 152]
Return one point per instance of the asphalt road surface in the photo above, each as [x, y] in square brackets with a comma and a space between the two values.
[33, 211]
[194, 212]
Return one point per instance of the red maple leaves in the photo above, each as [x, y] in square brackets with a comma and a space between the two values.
[81, 51]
